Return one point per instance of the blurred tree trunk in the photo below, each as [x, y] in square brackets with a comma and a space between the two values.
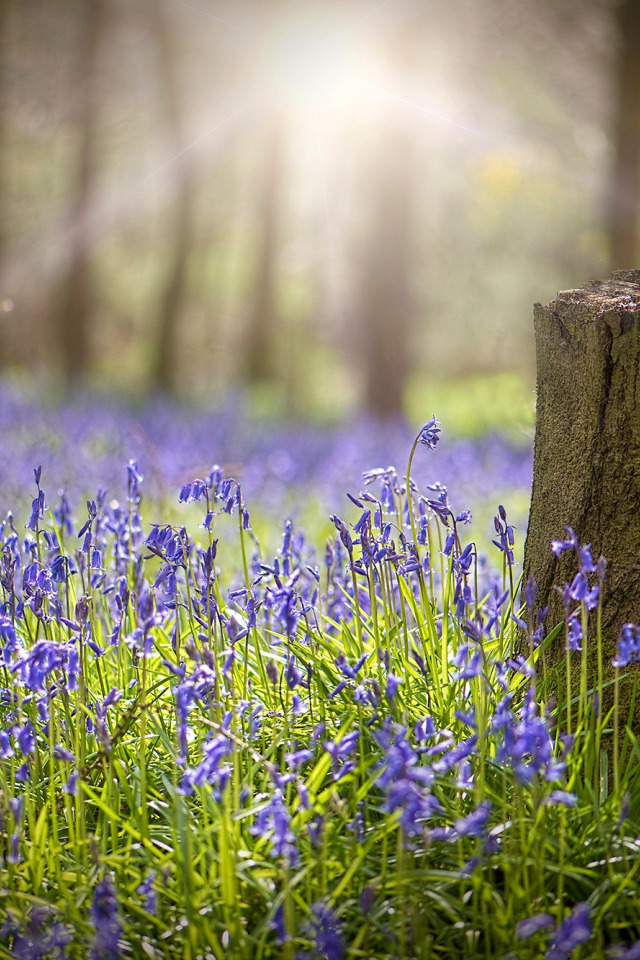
[262, 320]
[165, 370]
[624, 192]
[4, 26]
[76, 306]
[384, 303]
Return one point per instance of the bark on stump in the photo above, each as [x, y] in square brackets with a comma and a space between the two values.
[587, 447]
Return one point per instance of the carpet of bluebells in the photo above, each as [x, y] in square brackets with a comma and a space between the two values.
[214, 749]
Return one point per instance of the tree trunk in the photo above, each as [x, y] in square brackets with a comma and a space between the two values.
[587, 448]
[624, 192]
[4, 41]
[165, 374]
[263, 320]
[74, 315]
[385, 305]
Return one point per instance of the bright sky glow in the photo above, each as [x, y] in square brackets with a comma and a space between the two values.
[314, 65]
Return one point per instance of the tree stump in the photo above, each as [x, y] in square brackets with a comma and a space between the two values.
[587, 447]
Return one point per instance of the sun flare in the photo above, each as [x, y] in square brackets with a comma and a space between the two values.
[313, 65]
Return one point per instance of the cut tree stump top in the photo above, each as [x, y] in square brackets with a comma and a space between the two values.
[621, 291]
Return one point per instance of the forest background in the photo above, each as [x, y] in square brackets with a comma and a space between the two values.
[333, 206]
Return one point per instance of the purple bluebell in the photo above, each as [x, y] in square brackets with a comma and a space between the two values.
[530, 591]
[573, 931]
[430, 434]
[506, 540]
[71, 786]
[475, 823]
[367, 898]
[393, 682]
[585, 560]
[273, 822]
[574, 633]
[468, 659]
[528, 745]
[345, 536]
[628, 953]
[558, 547]
[279, 926]
[134, 480]
[104, 916]
[628, 650]
[562, 797]
[534, 924]
[324, 930]
[146, 890]
[194, 491]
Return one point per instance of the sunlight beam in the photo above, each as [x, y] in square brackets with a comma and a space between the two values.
[381, 91]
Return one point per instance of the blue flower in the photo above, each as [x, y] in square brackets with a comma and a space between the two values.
[475, 824]
[325, 932]
[532, 925]
[628, 646]
[573, 931]
[558, 547]
[631, 953]
[393, 683]
[107, 927]
[273, 822]
[561, 796]
[146, 890]
[430, 434]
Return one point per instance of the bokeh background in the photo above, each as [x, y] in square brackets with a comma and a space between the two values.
[329, 207]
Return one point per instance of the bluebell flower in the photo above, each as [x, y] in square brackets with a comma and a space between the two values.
[273, 822]
[558, 547]
[629, 953]
[343, 530]
[367, 898]
[628, 650]
[529, 745]
[530, 591]
[134, 479]
[573, 931]
[147, 892]
[430, 434]
[393, 683]
[574, 633]
[37, 512]
[194, 491]
[561, 796]
[325, 933]
[505, 533]
[279, 926]
[105, 919]
[6, 749]
[475, 824]
[71, 786]
[534, 924]
[293, 674]
[585, 560]
[345, 667]
[468, 658]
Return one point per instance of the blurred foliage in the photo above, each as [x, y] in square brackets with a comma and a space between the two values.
[507, 108]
